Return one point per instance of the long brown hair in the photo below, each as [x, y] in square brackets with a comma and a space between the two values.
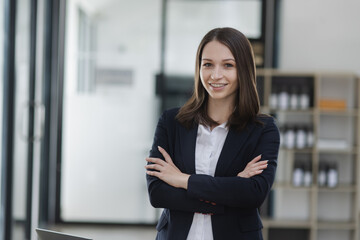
[247, 105]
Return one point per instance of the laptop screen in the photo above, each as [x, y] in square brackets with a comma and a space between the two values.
[44, 234]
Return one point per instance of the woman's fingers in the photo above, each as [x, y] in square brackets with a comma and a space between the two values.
[254, 167]
[256, 164]
[154, 167]
[257, 170]
[153, 173]
[256, 159]
[263, 166]
[155, 161]
[166, 155]
[261, 163]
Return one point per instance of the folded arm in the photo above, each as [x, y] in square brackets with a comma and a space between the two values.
[239, 191]
[163, 195]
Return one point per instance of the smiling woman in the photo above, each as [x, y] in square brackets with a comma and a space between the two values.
[213, 161]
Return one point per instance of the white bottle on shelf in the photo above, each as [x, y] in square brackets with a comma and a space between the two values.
[283, 98]
[298, 175]
[307, 176]
[304, 98]
[300, 138]
[332, 176]
[294, 98]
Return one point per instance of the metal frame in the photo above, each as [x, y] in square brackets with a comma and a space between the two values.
[31, 119]
[52, 98]
[8, 122]
[9, 92]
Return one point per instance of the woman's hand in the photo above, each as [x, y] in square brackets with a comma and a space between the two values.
[254, 167]
[167, 171]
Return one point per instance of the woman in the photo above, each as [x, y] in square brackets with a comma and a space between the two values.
[213, 161]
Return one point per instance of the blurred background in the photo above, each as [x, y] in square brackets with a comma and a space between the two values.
[83, 83]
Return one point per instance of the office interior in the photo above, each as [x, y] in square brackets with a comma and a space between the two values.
[83, 83]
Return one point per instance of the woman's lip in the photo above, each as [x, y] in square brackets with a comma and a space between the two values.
[218, 86]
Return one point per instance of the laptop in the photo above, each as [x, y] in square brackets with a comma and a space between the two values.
[44, 234]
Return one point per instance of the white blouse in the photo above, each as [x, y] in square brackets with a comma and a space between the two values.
[207, 151]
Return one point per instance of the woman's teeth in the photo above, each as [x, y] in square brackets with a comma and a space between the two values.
[217, 84]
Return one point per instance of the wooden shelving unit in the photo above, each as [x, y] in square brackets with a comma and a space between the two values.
[316, 212]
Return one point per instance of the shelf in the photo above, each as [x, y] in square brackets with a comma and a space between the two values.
[346, 112]
[285, 223]
[337, 225]
[353, 150]
[295, 111]
[289, 186]
[297, 150]
[341, 188]
[314, 212]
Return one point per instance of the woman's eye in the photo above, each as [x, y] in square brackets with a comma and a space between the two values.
[229, 65]
[207, 64]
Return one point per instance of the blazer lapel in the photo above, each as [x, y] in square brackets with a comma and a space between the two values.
[233, 144]
[187, 148]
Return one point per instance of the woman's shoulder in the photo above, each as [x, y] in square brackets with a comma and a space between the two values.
[171, 113]
[169, 116]
[265, 119]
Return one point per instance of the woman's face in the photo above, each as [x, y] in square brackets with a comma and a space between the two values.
[218, 72]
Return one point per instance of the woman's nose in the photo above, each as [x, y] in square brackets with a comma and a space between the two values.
[216, 74]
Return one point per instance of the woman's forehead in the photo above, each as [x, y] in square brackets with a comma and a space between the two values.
[216, 50]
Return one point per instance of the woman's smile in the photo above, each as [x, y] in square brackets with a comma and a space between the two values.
[218, 86]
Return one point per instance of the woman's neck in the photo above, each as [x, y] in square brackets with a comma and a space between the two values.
[219, 111]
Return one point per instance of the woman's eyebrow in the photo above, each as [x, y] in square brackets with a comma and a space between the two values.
[227, 59]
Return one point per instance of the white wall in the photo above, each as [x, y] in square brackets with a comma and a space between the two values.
[320, 35]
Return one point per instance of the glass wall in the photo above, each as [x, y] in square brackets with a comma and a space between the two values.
[110, 109]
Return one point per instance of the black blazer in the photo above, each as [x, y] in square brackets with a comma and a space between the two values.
[237, 199]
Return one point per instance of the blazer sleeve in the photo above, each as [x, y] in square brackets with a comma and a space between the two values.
[161, 194]
[237, 191]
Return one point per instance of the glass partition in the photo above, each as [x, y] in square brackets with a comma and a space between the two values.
[110, 109]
